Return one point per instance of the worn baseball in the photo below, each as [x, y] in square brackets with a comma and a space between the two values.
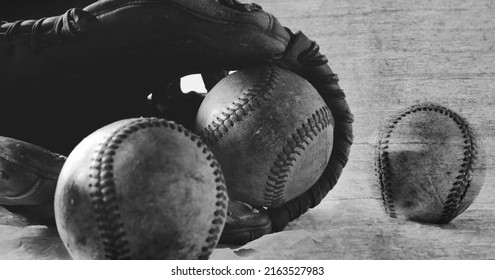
[140, 188]
[430, 166]
[271, 132]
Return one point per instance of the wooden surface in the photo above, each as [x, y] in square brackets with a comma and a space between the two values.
[389, 55]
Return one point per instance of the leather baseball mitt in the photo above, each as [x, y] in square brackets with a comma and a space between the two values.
[89, 67]
[62, 77]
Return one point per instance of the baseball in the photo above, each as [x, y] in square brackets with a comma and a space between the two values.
[271, 132]
[141, 188]
[429, 164]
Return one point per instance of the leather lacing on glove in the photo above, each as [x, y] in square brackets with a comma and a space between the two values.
[69, 26]
[304, 58]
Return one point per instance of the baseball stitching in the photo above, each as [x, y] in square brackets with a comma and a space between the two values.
[103, 190]
[221, 204]
[249, 101]
[462, 183]
[280, 169]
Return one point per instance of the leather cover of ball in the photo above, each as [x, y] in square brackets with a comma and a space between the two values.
[271, 132]
[140, 189]
[430, 166]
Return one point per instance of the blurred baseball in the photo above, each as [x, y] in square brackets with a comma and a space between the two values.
[140, 188]
[271, 132]
[429, 164]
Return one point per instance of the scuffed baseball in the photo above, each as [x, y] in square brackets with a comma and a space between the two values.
[429, 164]
[140, 188]
[271, 132]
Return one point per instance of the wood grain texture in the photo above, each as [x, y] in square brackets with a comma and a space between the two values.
[389, 55]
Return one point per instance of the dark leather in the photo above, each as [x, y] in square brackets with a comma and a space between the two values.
[12, 10]
[159, 37]
[28, 173]
[63, 77]
[245, 223]
[92, 66]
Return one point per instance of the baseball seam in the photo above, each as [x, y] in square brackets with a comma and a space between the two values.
[460, 187]
[103, 195]
[273, 193]
[103, 191]
[220, 212]
[462, 183]
[249, 101]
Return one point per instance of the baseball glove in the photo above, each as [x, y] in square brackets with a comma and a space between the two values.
[92, 66]
[63, 77]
